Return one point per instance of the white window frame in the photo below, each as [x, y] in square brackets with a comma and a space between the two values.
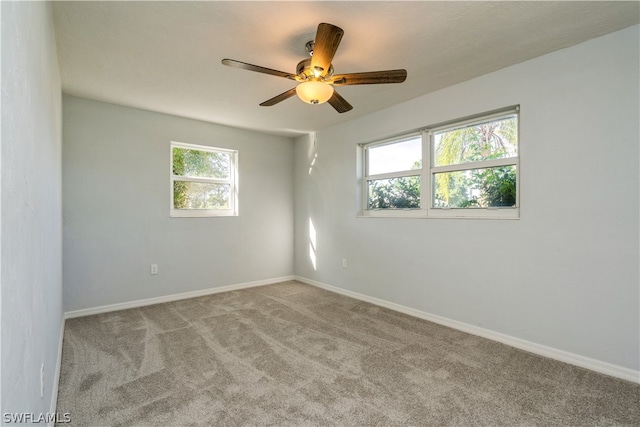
[232, 181]
[409, 212]
[427, 210]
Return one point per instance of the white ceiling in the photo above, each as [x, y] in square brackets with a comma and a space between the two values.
[165, 56]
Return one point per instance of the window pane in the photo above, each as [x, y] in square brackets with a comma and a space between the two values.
[196, 163]
[395, 193]
[477, 188]
[198, 195]
[496, 139]
[396, 157]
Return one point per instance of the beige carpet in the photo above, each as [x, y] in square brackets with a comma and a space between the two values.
[295, 355]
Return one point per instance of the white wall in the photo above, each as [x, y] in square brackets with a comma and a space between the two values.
[565, 274]
[116, 208]
[31, 207]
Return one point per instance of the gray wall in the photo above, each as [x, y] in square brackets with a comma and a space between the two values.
[31, 223]
[116, 208]
[565, 274]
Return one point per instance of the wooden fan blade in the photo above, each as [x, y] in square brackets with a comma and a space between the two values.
[339, 103]
[273, 101]
[370, 78]
[326, 43]
[257, 68]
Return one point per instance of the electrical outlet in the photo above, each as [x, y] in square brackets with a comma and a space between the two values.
[154, 268]
[41, 381]
[344, 263]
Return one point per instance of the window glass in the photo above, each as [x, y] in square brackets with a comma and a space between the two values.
[398, 156]
[198, 195]
[476, 188]
[394, 193]
[495, 139]
[197, 163]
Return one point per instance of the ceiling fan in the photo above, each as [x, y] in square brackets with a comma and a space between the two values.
[315, 75]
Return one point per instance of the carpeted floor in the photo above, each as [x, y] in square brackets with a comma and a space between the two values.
[294, 355]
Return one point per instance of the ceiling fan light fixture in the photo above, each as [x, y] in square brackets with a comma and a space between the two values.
[314, 92]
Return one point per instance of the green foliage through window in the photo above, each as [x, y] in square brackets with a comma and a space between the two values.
[395, 193]
[481, 188]
[201, 179]
[197, 195]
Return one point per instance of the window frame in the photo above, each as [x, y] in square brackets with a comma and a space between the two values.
[390, 175]
[428, 171]
[232, 181]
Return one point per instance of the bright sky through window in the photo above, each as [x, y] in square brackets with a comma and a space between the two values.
[396, 157]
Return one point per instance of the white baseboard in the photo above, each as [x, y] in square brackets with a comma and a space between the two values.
[542, 350]
[56, 375]
[173, 297]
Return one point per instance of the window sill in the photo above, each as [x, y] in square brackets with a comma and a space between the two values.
[493, 214]
[200, 213]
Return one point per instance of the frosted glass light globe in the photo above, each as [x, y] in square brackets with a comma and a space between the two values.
[314, 92]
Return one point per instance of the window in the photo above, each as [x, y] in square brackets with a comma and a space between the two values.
[203, 181]
[466, 168]
[393, 170]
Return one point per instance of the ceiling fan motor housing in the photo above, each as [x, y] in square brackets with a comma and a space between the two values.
[304, 71]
